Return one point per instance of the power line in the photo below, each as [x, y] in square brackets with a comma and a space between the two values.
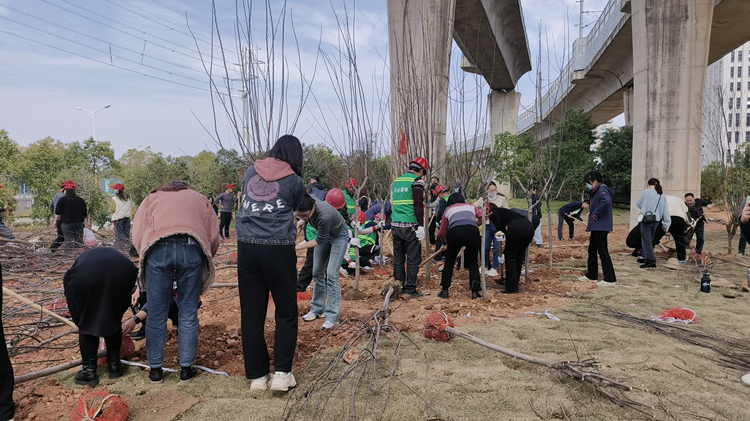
[103, 62]
[95, 38]
[161, 22]
[127, 26]
[101, 51]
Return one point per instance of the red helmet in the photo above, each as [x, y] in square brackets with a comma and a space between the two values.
[362, 217]
[439, 188]
[335, 198]
[351, 184]
[421, 162]
[379, 216]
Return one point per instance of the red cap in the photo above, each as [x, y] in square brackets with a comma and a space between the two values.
[351, 184]
[2, 187]
[118, 186]
[230, 186]
[335, 198]
[379, 216]
[439, 188]
[362, 217]
[421, 162]
[69, 184]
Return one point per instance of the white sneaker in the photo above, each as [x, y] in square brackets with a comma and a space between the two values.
[283, 381]
[586, 279]
[367, 268]
[328, 325]
[310, 316]
[261, 383]
[605, 283]
[491, 272]
[745, 379]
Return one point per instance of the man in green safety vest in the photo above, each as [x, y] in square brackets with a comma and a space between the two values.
[368, 240]
[408, 225]
[351, 184]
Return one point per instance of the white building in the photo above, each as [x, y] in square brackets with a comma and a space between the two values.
[727, 104]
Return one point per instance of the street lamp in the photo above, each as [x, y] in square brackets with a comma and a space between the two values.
[93, 117]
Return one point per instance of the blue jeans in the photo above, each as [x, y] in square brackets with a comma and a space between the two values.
[177, 258]
[491, 241]
[328, 259]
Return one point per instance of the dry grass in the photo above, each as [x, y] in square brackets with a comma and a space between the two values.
[468, 382]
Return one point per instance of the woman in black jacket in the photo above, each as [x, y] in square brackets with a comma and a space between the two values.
[97, 289]
[518, 234]
[72, 213]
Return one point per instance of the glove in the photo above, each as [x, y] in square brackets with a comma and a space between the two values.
[355, 224]
[352, 265]
[499, 236]
[381, 224]
[420, 233]
[354, 242]
[501, 260]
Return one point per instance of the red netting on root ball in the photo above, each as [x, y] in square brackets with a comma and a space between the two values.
[100, 406]
[127, 349]
[434, 326]
[303, 296]
[233, 258]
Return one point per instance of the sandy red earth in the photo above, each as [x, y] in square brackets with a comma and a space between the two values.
[220, 345]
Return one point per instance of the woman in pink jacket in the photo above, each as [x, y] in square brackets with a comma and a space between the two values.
[176, 235]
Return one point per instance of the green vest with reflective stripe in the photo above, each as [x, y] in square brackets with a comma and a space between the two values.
[350, 207]
[403, 199]
[368, 239]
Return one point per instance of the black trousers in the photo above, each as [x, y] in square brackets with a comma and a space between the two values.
[431, 228]
[743, 243]
[305, 274]
[568, 220]
[677, 230]
[224, 221]
[262, 269]
[60, 237]
[406, 249]
[699, 237]
[7, 407]
[462, 236]
[89, 344]
[519, 234]
[598, 245]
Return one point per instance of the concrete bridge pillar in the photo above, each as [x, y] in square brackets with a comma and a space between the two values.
[627, 99]
[670, 55]
[503, 107]
[420, 33]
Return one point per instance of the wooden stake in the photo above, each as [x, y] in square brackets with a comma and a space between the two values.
[36, 306]
[431, 257]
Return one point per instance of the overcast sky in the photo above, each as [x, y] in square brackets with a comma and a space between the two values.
[139, 56]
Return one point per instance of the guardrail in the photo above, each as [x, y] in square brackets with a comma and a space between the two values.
[585, 50]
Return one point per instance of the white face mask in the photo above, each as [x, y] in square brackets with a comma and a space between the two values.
[492, 196]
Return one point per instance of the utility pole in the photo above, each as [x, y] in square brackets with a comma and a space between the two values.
[580, 22]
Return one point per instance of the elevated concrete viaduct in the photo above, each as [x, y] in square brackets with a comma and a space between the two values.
[648, 59]
[492, 36]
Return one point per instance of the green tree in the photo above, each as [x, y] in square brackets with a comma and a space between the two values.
[9, 155]
[616, 153]
[576, 158]
[231, 167]
[203, 173]
[96, 157]
[39, 167]
[320, 161]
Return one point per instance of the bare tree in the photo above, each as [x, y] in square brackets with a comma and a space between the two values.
[272, 93]
[717, 123]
